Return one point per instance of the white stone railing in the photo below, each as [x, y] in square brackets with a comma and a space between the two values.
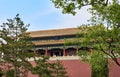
[59, 58]
[65, 58]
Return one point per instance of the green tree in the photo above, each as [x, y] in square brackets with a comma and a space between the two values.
[102, 40]
[45, 68]
[59, 70]
[99, 64]
[16, 50]
[98, 61]
[108, 36]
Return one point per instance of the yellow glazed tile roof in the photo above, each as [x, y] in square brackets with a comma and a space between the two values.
[54, 32]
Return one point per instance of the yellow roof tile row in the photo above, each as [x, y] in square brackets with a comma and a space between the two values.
[54, 32]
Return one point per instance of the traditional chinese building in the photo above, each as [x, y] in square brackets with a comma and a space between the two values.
[52, 42]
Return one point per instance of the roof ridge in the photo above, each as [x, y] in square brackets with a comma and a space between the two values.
[52, 30]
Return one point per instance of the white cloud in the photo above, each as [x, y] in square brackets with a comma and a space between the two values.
[63, 20]
[74, 21]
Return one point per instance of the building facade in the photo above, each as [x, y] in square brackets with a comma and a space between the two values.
[53, 42]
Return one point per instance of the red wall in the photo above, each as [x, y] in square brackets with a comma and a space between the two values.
[77, 68]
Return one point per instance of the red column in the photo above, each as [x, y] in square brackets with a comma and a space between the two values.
[64, 52]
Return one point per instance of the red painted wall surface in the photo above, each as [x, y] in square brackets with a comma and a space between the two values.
[77, 68]
[114, 69]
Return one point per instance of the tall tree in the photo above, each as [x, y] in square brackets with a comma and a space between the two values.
[108, 36]
[103, 39]
[16, 51]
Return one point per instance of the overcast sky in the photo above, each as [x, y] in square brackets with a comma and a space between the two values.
[41, 14]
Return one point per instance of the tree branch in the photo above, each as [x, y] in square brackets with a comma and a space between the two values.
[105, 52]
[114, 58]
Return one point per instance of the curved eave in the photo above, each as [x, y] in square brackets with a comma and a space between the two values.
[48, 42]
[34, 36]
[52, 42]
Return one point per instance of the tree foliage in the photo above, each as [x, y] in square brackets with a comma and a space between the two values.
[98, 61]
[44, 68]
[108, 15]
[92, 39]
[58, 69]
[70, 6]
[99, 64]
[103, 39]
[108, 36]
[16, 51]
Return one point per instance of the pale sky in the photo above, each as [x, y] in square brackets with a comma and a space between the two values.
[41, 14]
